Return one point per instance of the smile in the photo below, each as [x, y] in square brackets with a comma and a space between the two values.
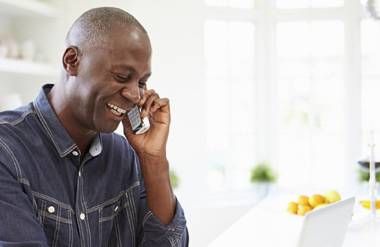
[116, 110]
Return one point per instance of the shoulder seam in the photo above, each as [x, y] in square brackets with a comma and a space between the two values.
[13, 157]
[18, 120]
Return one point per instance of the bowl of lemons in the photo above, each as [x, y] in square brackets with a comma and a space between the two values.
[306, 203]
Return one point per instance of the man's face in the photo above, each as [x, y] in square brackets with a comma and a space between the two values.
[110, 80]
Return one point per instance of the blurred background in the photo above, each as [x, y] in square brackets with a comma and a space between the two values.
[266, 95]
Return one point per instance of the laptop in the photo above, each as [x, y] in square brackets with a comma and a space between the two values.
[327, 226]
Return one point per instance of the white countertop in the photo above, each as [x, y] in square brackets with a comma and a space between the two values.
[269, 225]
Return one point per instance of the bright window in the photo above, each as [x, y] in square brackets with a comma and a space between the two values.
[278, 87]
[311, 110]
[243, 4]
[370, 81]
[291, 4]
[229, 56]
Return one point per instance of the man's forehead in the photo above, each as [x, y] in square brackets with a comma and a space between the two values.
[128, 33]
[119, 50]
[120, 38]
[127, 67]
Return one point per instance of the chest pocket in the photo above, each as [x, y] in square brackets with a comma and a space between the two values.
[117, 221]
[56, 219]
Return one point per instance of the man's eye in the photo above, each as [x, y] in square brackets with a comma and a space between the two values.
[122, 78]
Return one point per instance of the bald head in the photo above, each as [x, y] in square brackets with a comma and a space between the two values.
[94, 27]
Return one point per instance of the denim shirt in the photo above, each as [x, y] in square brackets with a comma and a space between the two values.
[52, 195]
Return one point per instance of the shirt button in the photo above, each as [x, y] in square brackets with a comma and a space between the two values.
[51, 209]
[116, 208]
[82, 216]
[79, 173]
[75, 153]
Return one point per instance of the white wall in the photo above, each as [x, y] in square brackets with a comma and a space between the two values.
[47, 36]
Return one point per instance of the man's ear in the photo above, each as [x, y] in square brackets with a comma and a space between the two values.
[70, 60]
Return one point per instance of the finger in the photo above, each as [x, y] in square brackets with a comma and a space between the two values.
[127, 129]
[127, 125]
[164, 105]
[160, 112]
[145, 96]
[158, 104]
[154, 107]
[148, 104]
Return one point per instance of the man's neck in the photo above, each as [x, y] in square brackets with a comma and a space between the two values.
[80, 135]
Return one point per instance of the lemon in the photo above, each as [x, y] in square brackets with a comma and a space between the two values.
[367, 204]
[316, 199]
[292, 207]
[303, 200]
[303, 209]
[332, 196]
[321, 205]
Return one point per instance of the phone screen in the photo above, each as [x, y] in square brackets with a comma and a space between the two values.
[139, 126]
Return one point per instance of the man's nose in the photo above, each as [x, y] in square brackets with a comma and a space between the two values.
[132, 94]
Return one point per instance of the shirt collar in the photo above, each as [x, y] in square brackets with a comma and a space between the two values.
[96, 146]
[62, 142]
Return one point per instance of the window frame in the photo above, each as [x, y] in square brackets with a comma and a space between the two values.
[265, 16]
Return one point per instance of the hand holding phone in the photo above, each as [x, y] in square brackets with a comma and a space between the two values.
[153, 142]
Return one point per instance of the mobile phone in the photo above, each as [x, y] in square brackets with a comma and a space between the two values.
[139, 126]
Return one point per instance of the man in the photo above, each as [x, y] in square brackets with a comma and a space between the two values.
[65, 178]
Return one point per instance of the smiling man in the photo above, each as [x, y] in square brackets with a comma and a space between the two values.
[65, 178]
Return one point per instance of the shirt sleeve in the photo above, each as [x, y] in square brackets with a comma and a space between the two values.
[20, 226]
[155, 233]
[152, 232]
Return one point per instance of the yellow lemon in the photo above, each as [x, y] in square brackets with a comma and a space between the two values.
[292, 207]
[303, 209]
[303, 200]
[367, 204]
[321, 205]
[332, 196]
[316, 199]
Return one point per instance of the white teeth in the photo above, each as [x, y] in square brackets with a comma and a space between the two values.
[117, 109]
[116, 112]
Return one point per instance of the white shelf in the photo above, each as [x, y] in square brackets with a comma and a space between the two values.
[13, 66]
[27, 8]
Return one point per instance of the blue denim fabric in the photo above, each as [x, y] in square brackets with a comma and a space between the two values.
[49, 197]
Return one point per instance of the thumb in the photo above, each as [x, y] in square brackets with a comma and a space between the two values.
[128, 132]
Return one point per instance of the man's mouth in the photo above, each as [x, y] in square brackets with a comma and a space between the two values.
[116, 110]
